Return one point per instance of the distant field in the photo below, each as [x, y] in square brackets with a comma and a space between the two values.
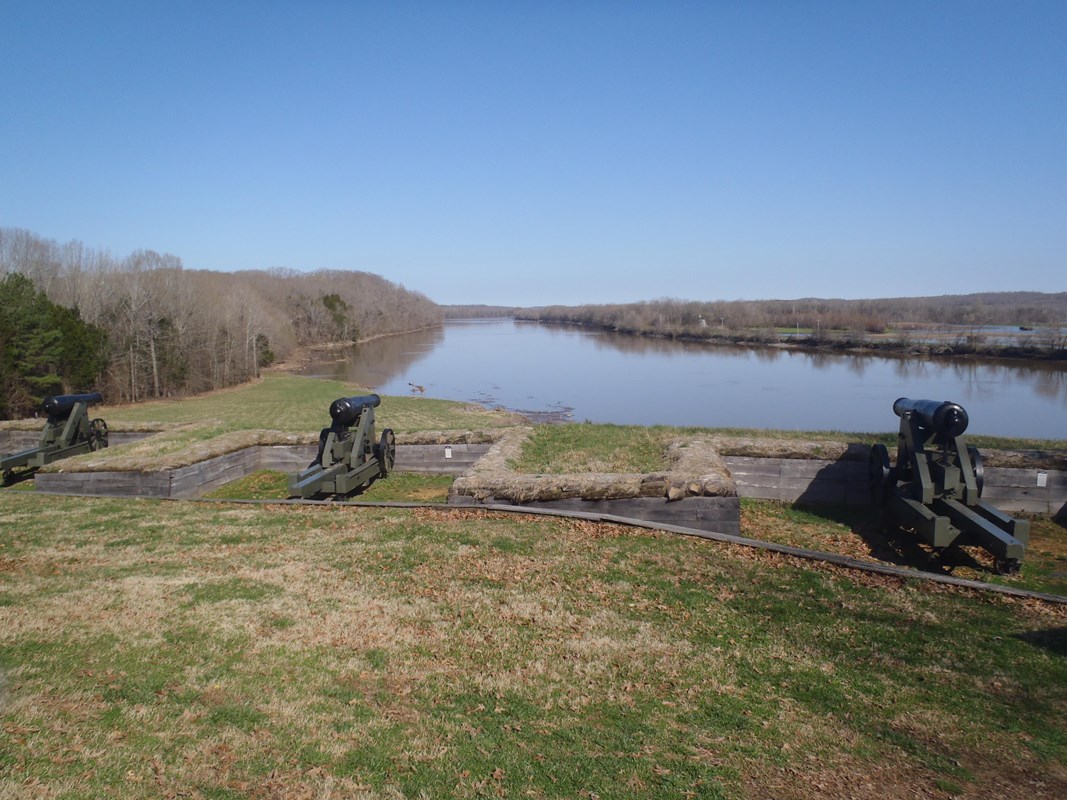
[155, 649]
[284, 402]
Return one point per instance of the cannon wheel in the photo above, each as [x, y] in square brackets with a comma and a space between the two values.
[1006, 566]
[978, 466]
[386, 452]
[97, 434]
[9, 477]
[879, 475]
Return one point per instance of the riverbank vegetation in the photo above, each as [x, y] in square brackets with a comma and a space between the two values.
[234, 651]
[150, 328]
[950, 325]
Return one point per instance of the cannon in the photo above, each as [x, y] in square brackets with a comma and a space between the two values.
[348, 458]
[936, 485]
[68, 432]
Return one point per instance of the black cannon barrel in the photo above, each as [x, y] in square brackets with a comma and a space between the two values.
[59, 406]
[346, 410]
[947, 419]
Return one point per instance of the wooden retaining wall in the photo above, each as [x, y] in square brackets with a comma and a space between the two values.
[206, 476]
[1035, 491]
[805, 481]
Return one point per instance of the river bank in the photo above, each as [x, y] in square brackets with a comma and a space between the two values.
[952, 345]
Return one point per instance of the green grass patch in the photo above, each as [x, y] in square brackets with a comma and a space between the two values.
[397, 487]
[260, 485]
[411, 487]
[587, 447]
[231, 589]
[297, 404]
[268, 651]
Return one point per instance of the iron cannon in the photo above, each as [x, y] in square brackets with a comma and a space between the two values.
[944, 419]
[347, 410]
[936, 485]
[68, 432]
[348, 459]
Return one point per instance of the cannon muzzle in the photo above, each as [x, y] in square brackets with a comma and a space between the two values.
[947, 420]
[59, 406]
[346, 410]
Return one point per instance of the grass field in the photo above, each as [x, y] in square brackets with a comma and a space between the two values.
[291, 403]
[274, 410]
[154, 649]
[850, 531]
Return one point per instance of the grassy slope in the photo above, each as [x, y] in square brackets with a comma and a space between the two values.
[229, 419]
[292, 403]
[153, 648]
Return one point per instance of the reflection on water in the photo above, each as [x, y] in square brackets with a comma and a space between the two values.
[379, 361]
[606, 377]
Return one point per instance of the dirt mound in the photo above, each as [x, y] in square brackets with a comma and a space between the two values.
[694, 469]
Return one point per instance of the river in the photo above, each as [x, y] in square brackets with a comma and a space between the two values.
[555, 372]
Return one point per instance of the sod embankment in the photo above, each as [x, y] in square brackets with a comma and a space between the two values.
[153, 648]
[278, 409]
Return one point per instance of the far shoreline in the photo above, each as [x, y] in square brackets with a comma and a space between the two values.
[954, 351]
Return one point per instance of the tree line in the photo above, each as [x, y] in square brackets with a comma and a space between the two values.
[142, 326]
[671, 317]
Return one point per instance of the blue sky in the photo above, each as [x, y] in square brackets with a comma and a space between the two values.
[526, 153]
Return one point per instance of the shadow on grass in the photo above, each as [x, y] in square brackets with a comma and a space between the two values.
[895, 545]
[12, 479]
[1052, 639]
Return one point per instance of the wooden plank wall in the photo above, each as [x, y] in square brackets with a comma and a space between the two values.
[124, 484]
[199, 479]
[788, 480]
[447, 459]
[845, 482]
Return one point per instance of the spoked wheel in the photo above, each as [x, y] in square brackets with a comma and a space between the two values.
[879, 475]
[97, 434]
[1006, 566]
[386, 452]
[9, 477]
[977, 466]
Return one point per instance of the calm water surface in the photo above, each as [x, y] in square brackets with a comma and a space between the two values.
[603, 377]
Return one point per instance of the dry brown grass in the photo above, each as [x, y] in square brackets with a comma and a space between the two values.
[689, 467]
[169, 649]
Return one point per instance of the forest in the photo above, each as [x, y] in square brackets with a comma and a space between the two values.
[73, 318]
